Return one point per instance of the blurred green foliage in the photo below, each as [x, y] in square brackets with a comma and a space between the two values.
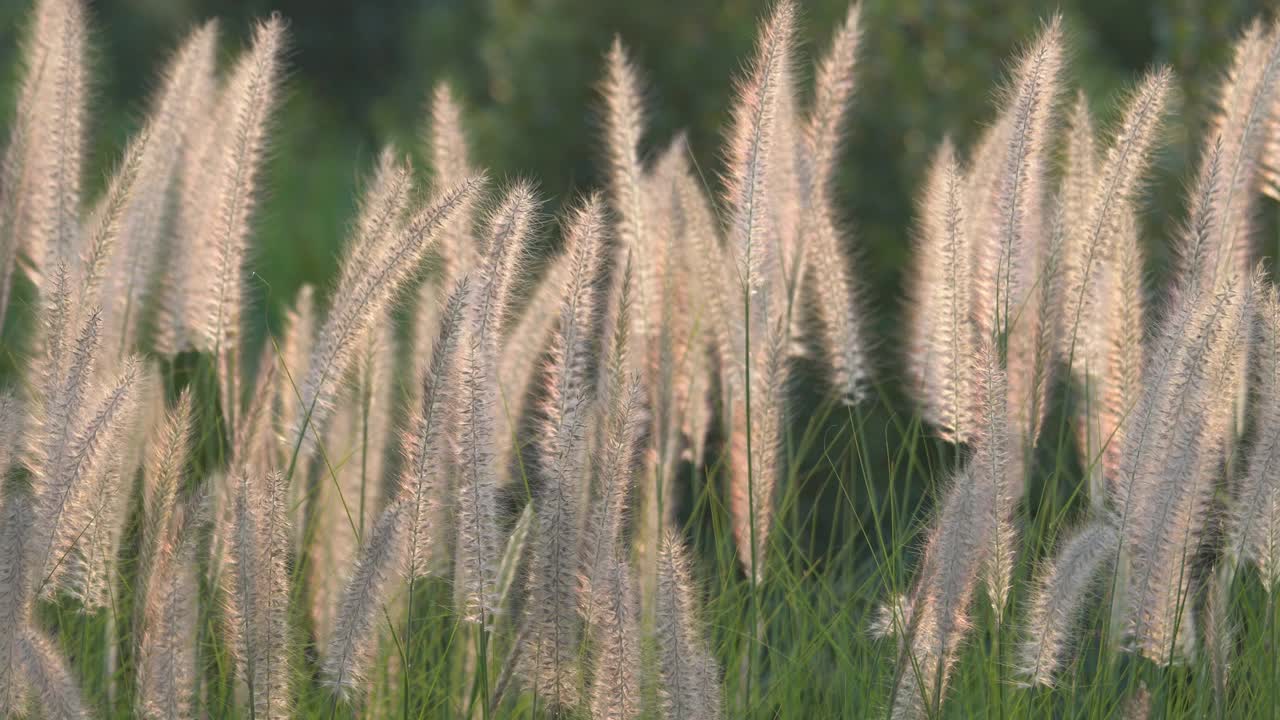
[528, 72]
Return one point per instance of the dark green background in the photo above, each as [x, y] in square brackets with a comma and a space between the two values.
[528, 70]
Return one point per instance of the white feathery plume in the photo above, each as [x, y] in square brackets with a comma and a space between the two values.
[1246, 116]
[366, 295]
[1079, 181]
[834, 86]
[552, 605]
[892, 618]
[424, 445]
[713, 276]
[53, 98]
[513, 555]
[380, 256]
[1015, 308]
[706, 306]
[758, 312]
[163, 477]
[1246, 113]
[1219, 629]
[993, 464]
[64, 372]
[1062, 592]
[1124, 351]
[450, 164]
[102, 230]
[1143, 436]
[1013, 260]
[615, 685]
[942, 331]
[668, 369]
[690, 675]
[971, 541]
[75, 472]
[186, 90]
[92, 567]
[259, 594]
[821, 254]
[1103, 273]
[1005, 222]
[785, 202]
[1253, 529]
[674, 353]
[354, 638]
[615, 469]
[620, 450]
[624, 130]
[1094, 238]
[940, 618]
[47, 672]
[475, 566]
[182, 275]
[167, 647]
[15, 595]
[1171, 493]
[1149, 432]
[249, 99]
[750, 145]
[520, 361]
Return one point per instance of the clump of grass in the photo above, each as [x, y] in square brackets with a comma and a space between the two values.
[596, 507]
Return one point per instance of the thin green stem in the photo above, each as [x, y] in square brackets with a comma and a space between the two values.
[754, 599]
